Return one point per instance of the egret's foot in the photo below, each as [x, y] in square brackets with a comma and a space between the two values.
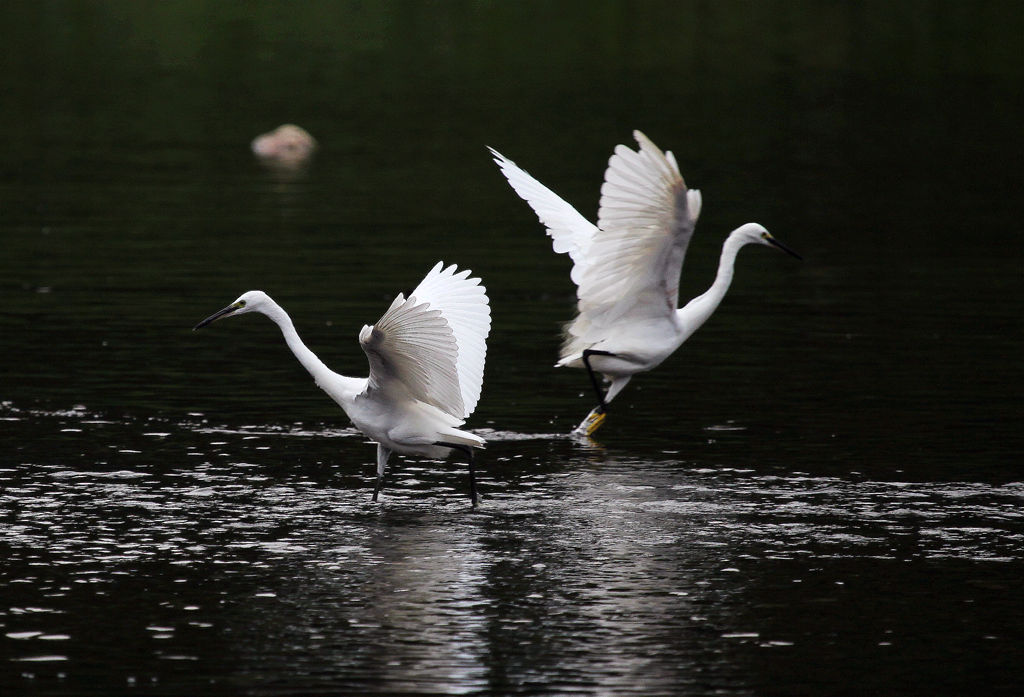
[593, 422]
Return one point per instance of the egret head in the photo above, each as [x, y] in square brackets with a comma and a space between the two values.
[756, 234]
[250, 301]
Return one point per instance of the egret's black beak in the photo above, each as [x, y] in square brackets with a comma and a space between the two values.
[771, 240]
[217, 315]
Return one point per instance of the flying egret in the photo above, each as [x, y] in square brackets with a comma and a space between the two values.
[626, 268]
[426, 358]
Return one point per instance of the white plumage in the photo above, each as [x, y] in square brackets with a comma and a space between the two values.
[463, 303]
[626, 268]
[426, 356]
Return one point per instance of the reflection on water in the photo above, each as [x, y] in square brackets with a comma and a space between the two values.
[246, 562]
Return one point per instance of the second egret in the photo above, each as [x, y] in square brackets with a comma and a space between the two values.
[426, 358]
[626, 268]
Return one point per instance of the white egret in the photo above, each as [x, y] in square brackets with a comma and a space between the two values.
[626, 268]
[426, 358]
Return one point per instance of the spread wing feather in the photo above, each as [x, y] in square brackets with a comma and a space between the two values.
[432, 346]
[462, 302]
[412, 352]
[646, 219]
[646, 222]
[570, 232]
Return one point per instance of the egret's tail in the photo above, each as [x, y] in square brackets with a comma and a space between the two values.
[573, 360]
[455, 435]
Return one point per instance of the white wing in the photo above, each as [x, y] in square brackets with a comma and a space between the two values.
[645, 220]
[412, 352]
[570, 232]
[463, 303]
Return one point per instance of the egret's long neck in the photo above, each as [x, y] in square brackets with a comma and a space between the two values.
[697, 311]
[338, 386]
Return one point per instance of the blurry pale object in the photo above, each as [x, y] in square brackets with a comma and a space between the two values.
[288, 145]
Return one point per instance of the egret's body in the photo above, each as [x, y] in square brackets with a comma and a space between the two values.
[626, 268]
[426, 357]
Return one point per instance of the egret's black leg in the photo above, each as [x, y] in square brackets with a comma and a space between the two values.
[472, 470]
[382, 460]
[596, 416]
[587, 353]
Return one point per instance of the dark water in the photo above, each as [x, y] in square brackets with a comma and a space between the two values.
[820, 494]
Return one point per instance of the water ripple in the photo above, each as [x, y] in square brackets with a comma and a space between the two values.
[275, 562]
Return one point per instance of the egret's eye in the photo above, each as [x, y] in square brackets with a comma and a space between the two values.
[240, 304]
[765, 236]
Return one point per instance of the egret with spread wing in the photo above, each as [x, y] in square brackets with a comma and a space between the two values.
[626, 268]
[426, 358]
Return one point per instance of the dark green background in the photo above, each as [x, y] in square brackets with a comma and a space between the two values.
[881, 140]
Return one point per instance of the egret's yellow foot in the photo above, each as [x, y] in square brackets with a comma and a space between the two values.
[593, 422]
